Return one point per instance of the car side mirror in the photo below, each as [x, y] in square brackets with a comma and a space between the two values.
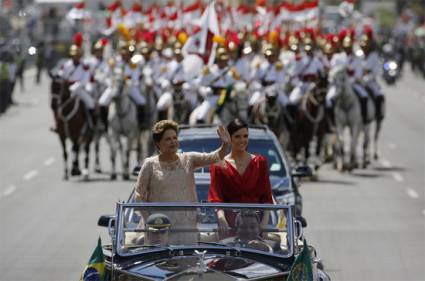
[105, 219]
[302, 171]
[136, 170]
[302, 220]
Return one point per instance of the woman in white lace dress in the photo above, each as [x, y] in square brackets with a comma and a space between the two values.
[169, 176]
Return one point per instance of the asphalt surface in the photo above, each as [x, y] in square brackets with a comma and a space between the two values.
[367, 225]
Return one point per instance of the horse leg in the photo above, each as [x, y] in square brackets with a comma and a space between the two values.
[375, 139]
[354, 132]
[366, 141]
[75, 171]
[339, 149]
[97, 168]
[125, 159]
[138, 149]
[85, 171]
[113, 150]
[65, 158]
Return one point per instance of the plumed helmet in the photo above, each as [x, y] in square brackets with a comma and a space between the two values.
[74, 50]
[222, 54]
[144, 48]
[269, 51]
[328, 48]
[347, 42]
[100, 44]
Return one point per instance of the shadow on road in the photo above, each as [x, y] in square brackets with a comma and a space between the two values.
[365, 174]
[330, 181]
[390, 169]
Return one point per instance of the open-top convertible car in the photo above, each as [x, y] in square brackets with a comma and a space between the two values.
[203, 241]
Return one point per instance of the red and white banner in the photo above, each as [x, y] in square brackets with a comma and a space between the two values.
[78, 12]
[304, 11]
[201, 42]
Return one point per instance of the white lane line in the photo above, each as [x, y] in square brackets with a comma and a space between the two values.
[385, 163]
[9, 190]
[398, 177]
[49, 161]
[412, 193]
[30, 175]
[392, 146]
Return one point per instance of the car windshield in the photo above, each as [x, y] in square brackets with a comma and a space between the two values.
[145, 227]
[256, 146]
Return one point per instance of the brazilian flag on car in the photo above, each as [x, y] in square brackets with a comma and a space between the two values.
[302, 268]
[95, 268]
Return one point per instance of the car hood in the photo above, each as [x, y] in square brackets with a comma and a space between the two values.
[213, 267]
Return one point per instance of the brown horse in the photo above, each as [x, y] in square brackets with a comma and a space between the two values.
[306, 120]
[71, 123]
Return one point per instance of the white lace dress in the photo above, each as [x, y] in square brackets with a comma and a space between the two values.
[173, 182]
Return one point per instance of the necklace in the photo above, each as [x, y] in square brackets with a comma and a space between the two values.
[240, 161]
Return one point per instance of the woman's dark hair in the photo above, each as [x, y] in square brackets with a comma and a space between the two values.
[160, 127]
[236, 125]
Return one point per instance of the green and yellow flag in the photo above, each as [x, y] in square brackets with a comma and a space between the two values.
[302, 268]
[95, 268]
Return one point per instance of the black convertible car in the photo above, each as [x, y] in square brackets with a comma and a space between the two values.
[187, 241]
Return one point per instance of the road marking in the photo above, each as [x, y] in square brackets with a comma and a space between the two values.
[392, 145]
[398, 177]
[385, 163]
[49, 161]
[9, 190]
[412, 193]
[423, 212]
[30, 175]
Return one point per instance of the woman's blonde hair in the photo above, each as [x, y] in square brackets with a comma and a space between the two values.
[160, 127]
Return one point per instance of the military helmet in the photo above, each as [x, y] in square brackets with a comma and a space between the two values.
[125, 47]
[222, 54]
[232, 46]
[177, 48]
[144, 48]
[347, 42]
[328, 48]
[269, 51]
[74, 50]
[158, 221]
[364, 41]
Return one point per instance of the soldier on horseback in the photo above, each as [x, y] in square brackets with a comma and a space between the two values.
[215, 81]
[100, 72]
[76, 75]
[174, 77]
[133, 74]
[370, 69]
[307, 69]
[270, 72]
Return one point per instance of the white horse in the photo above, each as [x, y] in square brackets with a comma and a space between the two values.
[347, 115]
[372, 118]
[123, 125]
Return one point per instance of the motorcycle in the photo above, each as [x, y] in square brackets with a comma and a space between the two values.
[391, 66]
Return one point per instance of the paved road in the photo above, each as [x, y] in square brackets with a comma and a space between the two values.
[370, 225]
[366, 226]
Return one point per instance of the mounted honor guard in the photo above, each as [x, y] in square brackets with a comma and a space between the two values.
[76, 75]
[270, 72]
[216, 82]
[371, 68]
